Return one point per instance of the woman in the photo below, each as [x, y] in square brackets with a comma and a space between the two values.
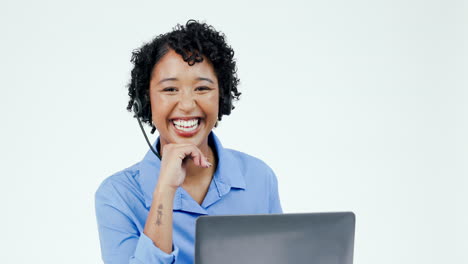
[182, 83]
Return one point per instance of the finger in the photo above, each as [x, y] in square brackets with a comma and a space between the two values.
[204, 160]
[198, 158]
[208, 164]
[193, 152]
[201, 158]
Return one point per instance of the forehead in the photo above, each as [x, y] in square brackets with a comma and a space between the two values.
[171, 65]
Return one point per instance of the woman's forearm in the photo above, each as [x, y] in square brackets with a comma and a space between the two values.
[158, 225]
[172, 174]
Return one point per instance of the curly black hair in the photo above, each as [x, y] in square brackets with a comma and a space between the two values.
[191, 41]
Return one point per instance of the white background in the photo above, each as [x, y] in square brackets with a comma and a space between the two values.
[356, 105]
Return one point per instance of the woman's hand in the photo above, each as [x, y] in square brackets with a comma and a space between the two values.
[174, 162]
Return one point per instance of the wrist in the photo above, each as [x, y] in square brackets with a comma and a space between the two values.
[165, 189]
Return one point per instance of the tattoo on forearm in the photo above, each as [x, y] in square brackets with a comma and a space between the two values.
[158, 219]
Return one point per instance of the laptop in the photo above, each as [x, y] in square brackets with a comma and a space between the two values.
[322, 238]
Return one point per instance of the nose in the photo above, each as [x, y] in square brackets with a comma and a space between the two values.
[187, 102]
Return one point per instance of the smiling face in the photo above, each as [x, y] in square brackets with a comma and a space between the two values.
[184, 100]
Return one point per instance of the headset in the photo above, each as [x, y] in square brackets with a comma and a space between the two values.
[137, 108]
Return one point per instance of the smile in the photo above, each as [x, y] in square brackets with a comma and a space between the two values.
[186, 128]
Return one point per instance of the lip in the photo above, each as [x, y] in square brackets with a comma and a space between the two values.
[186, 133]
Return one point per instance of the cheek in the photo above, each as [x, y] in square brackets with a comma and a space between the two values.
[160, 103]
[213, 103]
[160, 109]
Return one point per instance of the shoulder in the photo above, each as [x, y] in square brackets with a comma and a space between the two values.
[261, 183]
[250, 164]
[120, 186]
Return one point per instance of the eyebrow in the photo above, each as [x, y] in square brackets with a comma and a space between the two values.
[175, 79]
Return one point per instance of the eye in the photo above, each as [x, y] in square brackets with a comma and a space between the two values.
[202, 88]
[169, 89]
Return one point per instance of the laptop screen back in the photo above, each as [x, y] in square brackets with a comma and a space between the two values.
[325, 238]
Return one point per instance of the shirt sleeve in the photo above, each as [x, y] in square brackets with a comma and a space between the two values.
[275, 204]
[121, 242]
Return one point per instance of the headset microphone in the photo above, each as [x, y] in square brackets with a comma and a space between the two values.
[137, 107]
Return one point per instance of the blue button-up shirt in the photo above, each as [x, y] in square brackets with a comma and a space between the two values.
[241, 184]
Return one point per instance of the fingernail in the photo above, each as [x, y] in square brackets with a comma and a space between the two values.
[209, 164]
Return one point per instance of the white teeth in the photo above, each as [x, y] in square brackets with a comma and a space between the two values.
[186, 125]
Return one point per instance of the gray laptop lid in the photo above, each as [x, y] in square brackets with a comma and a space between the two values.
[322, 238]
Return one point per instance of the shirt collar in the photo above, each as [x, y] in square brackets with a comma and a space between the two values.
[228, 175]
